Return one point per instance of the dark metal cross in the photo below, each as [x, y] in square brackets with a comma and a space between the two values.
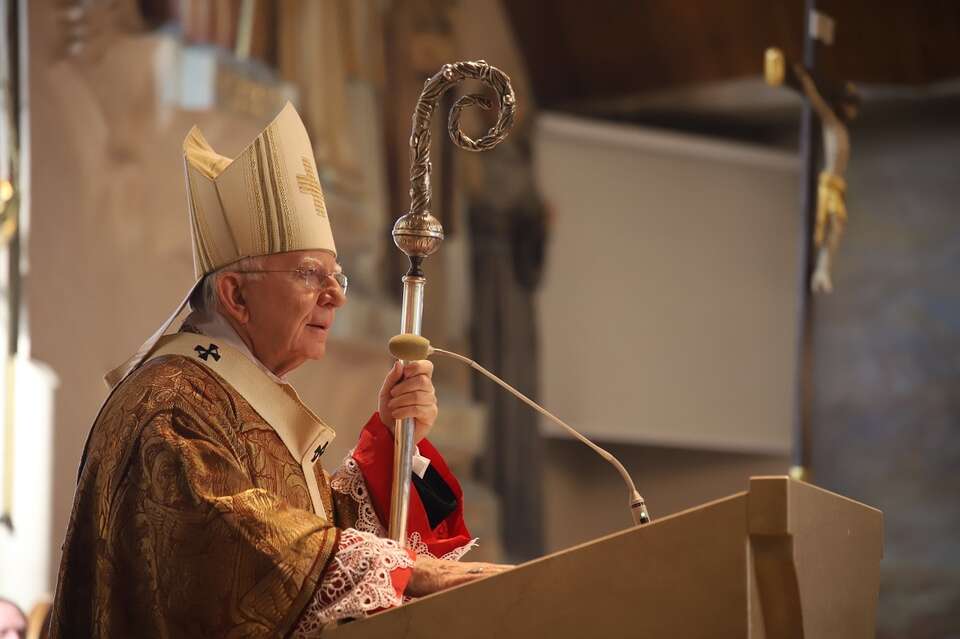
[204, 353]
[318, 452]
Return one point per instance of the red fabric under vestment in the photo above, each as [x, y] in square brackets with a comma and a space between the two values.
[374, 456]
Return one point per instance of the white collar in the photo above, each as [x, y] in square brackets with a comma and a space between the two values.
[217, 327]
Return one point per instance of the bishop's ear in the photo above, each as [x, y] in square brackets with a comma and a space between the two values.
[230, 296]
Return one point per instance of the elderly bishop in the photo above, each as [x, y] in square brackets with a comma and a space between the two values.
[202, 508]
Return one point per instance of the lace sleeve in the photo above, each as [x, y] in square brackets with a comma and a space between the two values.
[358, 581]
[348, 480]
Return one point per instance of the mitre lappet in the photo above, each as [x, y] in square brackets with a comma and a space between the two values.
[266, 200]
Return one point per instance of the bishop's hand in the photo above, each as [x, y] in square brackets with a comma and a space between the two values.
[433, 575]
[408, 391]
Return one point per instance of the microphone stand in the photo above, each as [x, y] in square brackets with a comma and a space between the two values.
[408, 347]
[638, 507]
[418, 233]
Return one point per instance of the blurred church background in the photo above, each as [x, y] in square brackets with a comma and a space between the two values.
[633, 255]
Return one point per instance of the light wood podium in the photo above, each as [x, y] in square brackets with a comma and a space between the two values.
[785, 559]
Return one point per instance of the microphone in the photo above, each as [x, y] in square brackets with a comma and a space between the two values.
[410, 347]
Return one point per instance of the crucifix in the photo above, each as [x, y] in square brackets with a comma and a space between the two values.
[822, 199]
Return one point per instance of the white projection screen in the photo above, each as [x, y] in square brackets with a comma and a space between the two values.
[669, 308]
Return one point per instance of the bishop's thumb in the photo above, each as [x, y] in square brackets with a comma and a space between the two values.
[396, 373]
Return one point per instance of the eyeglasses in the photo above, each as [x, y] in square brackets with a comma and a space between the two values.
[313, 279]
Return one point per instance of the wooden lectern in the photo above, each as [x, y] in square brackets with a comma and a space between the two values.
[784, 560]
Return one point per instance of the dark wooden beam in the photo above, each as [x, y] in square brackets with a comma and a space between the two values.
[810, 151]
[605, 49]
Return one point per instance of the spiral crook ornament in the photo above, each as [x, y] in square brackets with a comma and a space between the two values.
[418, 233]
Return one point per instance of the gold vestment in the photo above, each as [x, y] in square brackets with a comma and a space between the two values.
[191, 518]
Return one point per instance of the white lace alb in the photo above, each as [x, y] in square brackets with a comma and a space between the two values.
[356, 582]
[348, 480]
[358, 579]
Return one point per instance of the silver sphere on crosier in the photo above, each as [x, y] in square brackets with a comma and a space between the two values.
[418, 234]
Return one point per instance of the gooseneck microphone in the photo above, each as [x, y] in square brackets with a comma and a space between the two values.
[413, 347]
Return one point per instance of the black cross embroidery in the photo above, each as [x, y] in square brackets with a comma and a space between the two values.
[204, 353]
[318, 452]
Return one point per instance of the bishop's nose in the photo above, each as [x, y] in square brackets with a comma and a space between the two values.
[332, 296]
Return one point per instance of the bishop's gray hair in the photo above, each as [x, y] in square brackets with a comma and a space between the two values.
[205, 299]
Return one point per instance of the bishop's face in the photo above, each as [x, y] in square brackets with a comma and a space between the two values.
[290, 307]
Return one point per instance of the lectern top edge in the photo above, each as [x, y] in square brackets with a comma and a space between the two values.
[790, 481]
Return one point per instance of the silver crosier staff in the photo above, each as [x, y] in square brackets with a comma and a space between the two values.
[418, 233]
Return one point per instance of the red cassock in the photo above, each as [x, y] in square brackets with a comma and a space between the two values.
[374, 456]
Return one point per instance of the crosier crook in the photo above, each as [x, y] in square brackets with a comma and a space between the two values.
[418, 233]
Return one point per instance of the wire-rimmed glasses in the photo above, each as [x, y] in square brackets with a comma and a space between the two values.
[314, 279]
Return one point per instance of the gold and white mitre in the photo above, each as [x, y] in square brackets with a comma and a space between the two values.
[266, 200]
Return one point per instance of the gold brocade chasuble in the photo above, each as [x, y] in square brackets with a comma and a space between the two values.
[193, 516]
